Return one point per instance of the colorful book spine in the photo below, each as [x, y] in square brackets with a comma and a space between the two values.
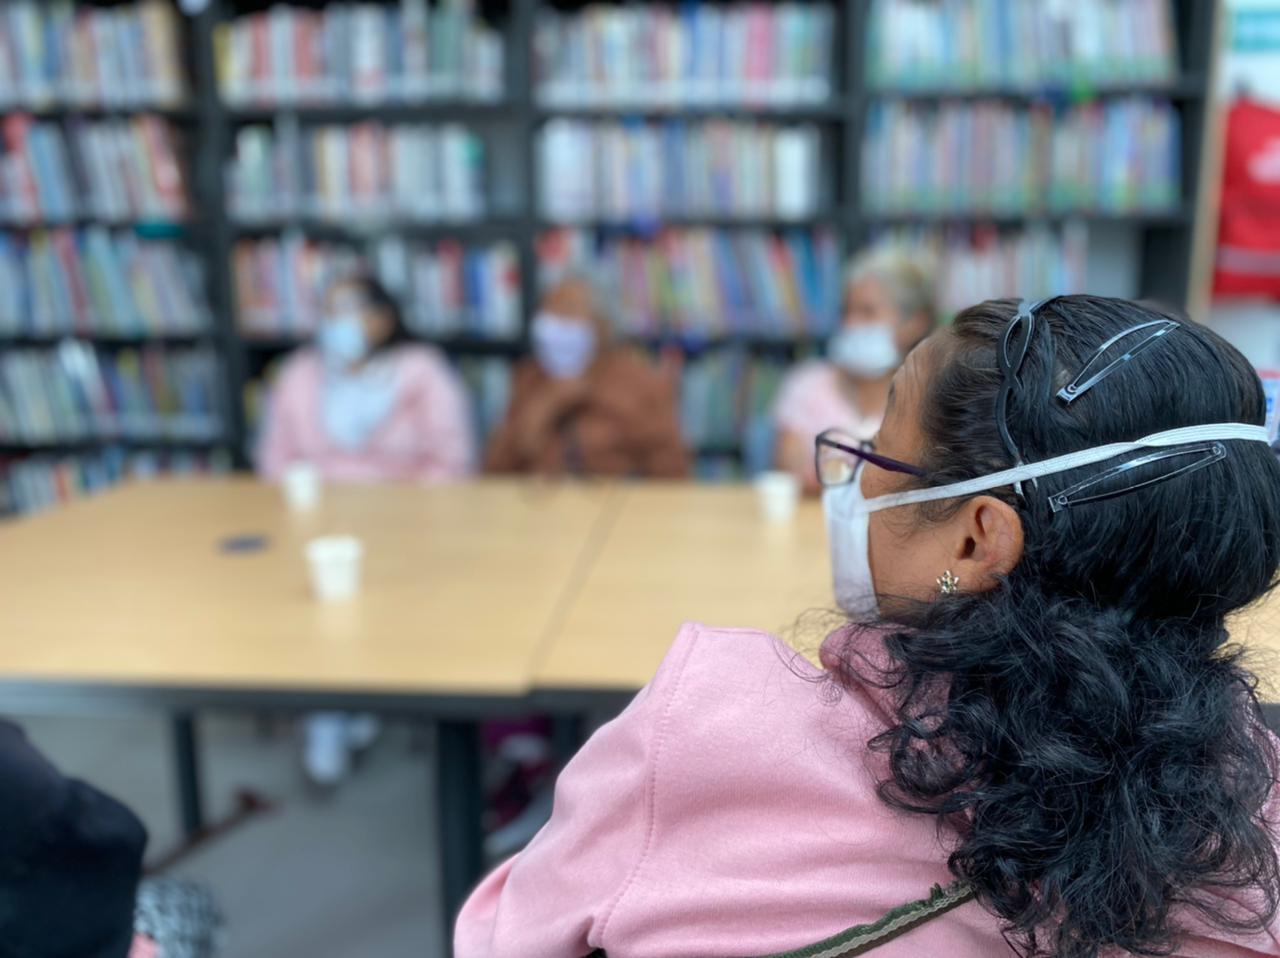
[32, 483]
[99, 282]
[972, 264]
[445, 289]
[699, 53]
[703, 283]
[110, 170]
[62, 53]
[76, 393]
[450, 289]
[645, 171]
[366, 54]
[1113, 156]
[726, 407]
[1012, 44]
[488, 379]
[365, 171]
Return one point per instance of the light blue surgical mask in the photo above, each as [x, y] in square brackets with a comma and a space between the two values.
[341, 340]
[563, 347]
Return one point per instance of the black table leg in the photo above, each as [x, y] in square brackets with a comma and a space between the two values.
[187, 768]
[460, 800]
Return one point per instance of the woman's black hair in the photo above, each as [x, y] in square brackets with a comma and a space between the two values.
[1086, 727]
[380, 298]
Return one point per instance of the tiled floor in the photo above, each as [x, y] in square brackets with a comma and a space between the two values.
[350, 875]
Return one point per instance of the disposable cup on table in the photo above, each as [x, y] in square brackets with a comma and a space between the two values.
[302, 486]
[779, 494]
[334, 563]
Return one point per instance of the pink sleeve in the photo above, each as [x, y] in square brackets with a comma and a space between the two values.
[555, 898]
[144, 947]
[444, 410]
[278, 446]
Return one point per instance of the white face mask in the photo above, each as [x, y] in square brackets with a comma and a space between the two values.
[848, 537]
[563, 347]
[867, 350]
[848, 513]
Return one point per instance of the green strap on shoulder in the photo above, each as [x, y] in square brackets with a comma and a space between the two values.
[861, 939]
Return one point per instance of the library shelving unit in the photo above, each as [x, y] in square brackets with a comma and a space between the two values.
[43, 461]
[1156, 242]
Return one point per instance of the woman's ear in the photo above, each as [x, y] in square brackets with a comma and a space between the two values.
[989, 543]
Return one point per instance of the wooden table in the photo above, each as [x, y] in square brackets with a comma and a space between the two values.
[134, 588]
[672, 553]
[132, 599]
[1258, 629]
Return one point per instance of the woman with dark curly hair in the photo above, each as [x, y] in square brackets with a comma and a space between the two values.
[1033, 736]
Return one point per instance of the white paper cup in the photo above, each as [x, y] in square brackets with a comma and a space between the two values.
[302, 486]
[334, 562]
[779, 493]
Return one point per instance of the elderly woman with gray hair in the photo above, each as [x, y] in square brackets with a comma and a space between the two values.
[582, 404]
[888, 309]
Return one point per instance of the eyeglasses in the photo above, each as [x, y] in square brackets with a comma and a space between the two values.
[836, 456]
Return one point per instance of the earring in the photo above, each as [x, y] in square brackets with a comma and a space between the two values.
[948, 583]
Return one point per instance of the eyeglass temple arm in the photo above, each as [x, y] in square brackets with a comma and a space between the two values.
[884, 462]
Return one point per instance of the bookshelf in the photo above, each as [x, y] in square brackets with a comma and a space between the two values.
[496, 89]
[108, 340]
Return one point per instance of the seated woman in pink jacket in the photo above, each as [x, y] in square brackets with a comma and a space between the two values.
[1032, 730]
[364, 404]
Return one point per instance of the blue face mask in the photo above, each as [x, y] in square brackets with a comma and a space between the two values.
[341, 340]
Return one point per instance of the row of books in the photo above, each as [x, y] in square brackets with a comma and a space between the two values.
[706, 283]
[111, 170]
[359, 52]
[1114, 156]
[644, 170]
[449, 289]
[39, 482]
[1019, 45]
[98, 281]
[445, 289]
[74, 392]
[366, 170]
[59, 52]
[977, 263]
[694, 53]
[726, 404]
[488, 380]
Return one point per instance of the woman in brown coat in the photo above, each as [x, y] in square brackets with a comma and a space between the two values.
[583, 405]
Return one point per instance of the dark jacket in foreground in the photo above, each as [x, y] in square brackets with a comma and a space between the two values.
[70, 860]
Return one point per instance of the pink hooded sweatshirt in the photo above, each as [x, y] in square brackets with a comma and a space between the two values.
[731, 811]
[426, 436]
